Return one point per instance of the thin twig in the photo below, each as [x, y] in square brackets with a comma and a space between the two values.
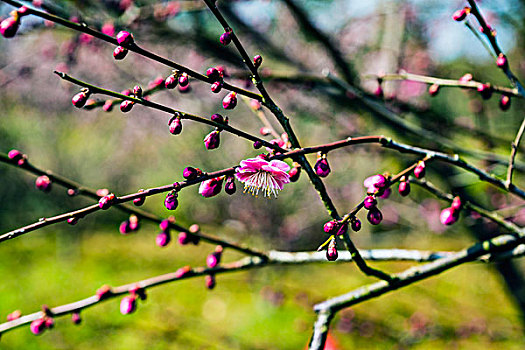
[514, 150]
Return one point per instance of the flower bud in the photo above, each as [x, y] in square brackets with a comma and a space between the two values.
[321, 167]
[73, 220]
[214, 259]
[134, 223]
[370, 202]
[120, 52]
[374, 216]
[104, 292]
[124, 228]
[171, 82]
[171, 201]
[379, 91]
[14, 315]
[80, 99]
[331, 252]
[125, 38]
[75, 318]
[37, 327]
[226, 38]
[230, 101]
[128, 304]
[375, 183]
[49, 322]
[218, 118]
[175, 125]
[163, 239]
[164, 225]
[264, 131]
[257, 144]
[183, 271]
[213, 74]
[184, 238]
[460, 15]
[140, 200]
[126, 106]
[191, 173]
[404, 188]
[295, 172]
[9, 27]
[257, 61]
[138, 291]
[456, 204]
[504, 102]
[448, 216]
[211, 187]
[229, 185]
[184, 80]
[217, 87]
[485, 91]
[501, 61]
[137, 91]
[331, 227]
[419, 170]
[356, 225]
[210, 281]
[43, 183]
[466, 78]
[107, 201]
[433, 90]
[108, 106]
[212, 140]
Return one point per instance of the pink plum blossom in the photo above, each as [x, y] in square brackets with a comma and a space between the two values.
[258, 174]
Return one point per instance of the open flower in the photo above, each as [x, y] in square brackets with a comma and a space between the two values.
[258, 174]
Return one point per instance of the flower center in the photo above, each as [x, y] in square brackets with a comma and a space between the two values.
[262, 181]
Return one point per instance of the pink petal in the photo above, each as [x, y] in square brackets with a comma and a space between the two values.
[279, 165]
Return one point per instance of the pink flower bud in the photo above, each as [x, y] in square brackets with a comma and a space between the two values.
[184, 80]
[321, 167]
[419, 170]
[331, 252]
[485, 91]
[460, 15]
[213, 259]
[128, 304]
[43, 183]
[226, 38]
[163, 239]
[171, 201]
[370, 202]
[124, 227]
[191, 173]
[212, 140]
[295, 172]
[15, 155]
[73, 220]
[433, 90]
[139, 291]
[37, 327]
[504, 102]
[79, 100]
[213, 74]
[255, 105]
[120, 52]
[184, 238]
[9, 27]
[23, 11]
[264, 131]
[49, 322]
[211, 187]
[108, 106]
[14, 315]
[217, 87]
[230, 101]
[164, 225]
[501, 61]
[140, 200]
[107, 201]
[466, 78]
[137, 91]
[257, 61]
[75, 318]
[108, 28]
[448, 216]
[103, 292]
[171, 82]
[126, 106]
[210, 281]
[385, 194]
[183, 271]
[379, 91]
[375, 183]
[374, 216]
[456, 204]
[125, 38]
[218, 118]
[229, 185]
[404, 188]
[331, 227]
[356, 225]
[175, 125]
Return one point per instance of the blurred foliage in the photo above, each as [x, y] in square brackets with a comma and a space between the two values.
[268, 308]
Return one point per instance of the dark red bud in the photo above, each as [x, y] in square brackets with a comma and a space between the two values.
[126, 106]
[184, 80]
[107, 201]
[321, 167]
[9, 27]
[183, 271]
[171, 82]
[456, 204]
[43, 183]
[73, 220]
[230, 101]
[419, 170]
[331, 227]
[191, 173]
[374, 216]
[217, 118]
[14, 315]
[125, 38]
[295, 172]
[501, 61]
[217, 87]
[331, 252]
[75, 318]
[485, 91]
[210, 281]
[108, 106]
[370, 202]
[229, 185]
[213, 74]
[504, 102]
[356, 225]
[103, 292]
[37, 327]
[163, 239]
[448, 216]
[137, 91]
[212, 140]
[433, 90]
[257, 144]
[124, 227]
[128, 304]
[460, 15]
[120, 52]
[171, 201]
[257, 61]
[79, 100]
[175, 125]
[264, 131]
[404, 188]
[140, 200]
[226, 38]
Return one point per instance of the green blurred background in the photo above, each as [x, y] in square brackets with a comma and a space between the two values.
[471, 307]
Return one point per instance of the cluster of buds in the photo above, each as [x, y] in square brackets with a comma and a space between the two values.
[321, 167]
[164, 237]
[9, 26]
[450, 215]
[38, 326]
[124, 38]
[17, 157]
[214, 258]
[130, 225]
